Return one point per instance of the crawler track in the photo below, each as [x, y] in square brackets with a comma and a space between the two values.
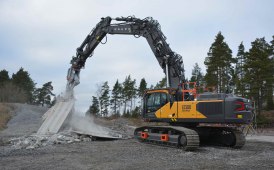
[221, 136]
[239, 138]
[190, 139]
[181, 137]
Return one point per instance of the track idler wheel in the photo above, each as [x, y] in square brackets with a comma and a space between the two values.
[228, 138]
[232, 138]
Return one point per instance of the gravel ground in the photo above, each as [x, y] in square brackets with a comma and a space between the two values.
[258, 153]
[26, 120]
[130, 154]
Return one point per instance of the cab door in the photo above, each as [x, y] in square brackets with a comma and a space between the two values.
[156, 105]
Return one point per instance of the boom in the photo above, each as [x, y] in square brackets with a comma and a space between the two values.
[170, 62]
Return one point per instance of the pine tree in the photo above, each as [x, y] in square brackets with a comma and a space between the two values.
[24, 82]
[219, 64]
[4, 77]
[133, 93]
[142, 87]
[197, 75]
[104, 99]
[239, 71]
[94, 108]
[129, 92]
[258, 70]
[42, 96]
[47, 91]
[136, 112]
[126, 92]
[116, 98]
[161, 84]
[270, 80]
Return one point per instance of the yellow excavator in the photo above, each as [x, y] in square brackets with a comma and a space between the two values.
[193, 119]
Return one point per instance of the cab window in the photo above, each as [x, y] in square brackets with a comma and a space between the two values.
[155, 100]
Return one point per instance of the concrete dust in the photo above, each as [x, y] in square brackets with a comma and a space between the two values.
[61, 125]
[63, 109]
[86, 125]
[55, 116]
[79, 129]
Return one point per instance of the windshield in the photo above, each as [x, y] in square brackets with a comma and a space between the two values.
[155, 100]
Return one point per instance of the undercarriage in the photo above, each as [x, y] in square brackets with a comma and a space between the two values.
[189, 139]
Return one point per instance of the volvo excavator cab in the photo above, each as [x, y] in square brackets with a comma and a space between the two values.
[154, 100]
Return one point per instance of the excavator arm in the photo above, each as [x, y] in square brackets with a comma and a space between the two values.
[170, 62]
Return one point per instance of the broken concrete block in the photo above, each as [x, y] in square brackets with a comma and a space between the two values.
[56, 117]
[30, 147]
[86, 139]
[77, 140]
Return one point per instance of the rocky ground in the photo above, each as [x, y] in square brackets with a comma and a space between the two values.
[127, 153]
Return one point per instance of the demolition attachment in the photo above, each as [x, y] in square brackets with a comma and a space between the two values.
[73, 75]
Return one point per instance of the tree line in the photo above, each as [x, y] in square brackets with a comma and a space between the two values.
[120, 100]
[250, 74]
[20, 88]
[124, 99]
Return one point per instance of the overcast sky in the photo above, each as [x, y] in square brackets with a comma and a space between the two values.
[42, 35]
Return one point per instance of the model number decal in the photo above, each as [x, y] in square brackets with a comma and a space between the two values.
[123, 29]
[186, 108]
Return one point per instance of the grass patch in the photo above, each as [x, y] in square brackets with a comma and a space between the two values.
[5, 114]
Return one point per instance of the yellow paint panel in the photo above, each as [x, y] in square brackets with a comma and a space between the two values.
[187, 109]
[167, 112]
[182, 109]
[200, 115]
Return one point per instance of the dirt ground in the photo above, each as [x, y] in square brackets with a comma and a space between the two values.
[258, 153]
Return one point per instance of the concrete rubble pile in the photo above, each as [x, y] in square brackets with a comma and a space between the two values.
[36, 141]
[61, 116]
[122, 127]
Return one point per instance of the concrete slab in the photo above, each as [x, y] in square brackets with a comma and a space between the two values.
[55, 117]
[100, 135]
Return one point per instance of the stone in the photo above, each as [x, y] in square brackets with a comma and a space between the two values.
[86, 139]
